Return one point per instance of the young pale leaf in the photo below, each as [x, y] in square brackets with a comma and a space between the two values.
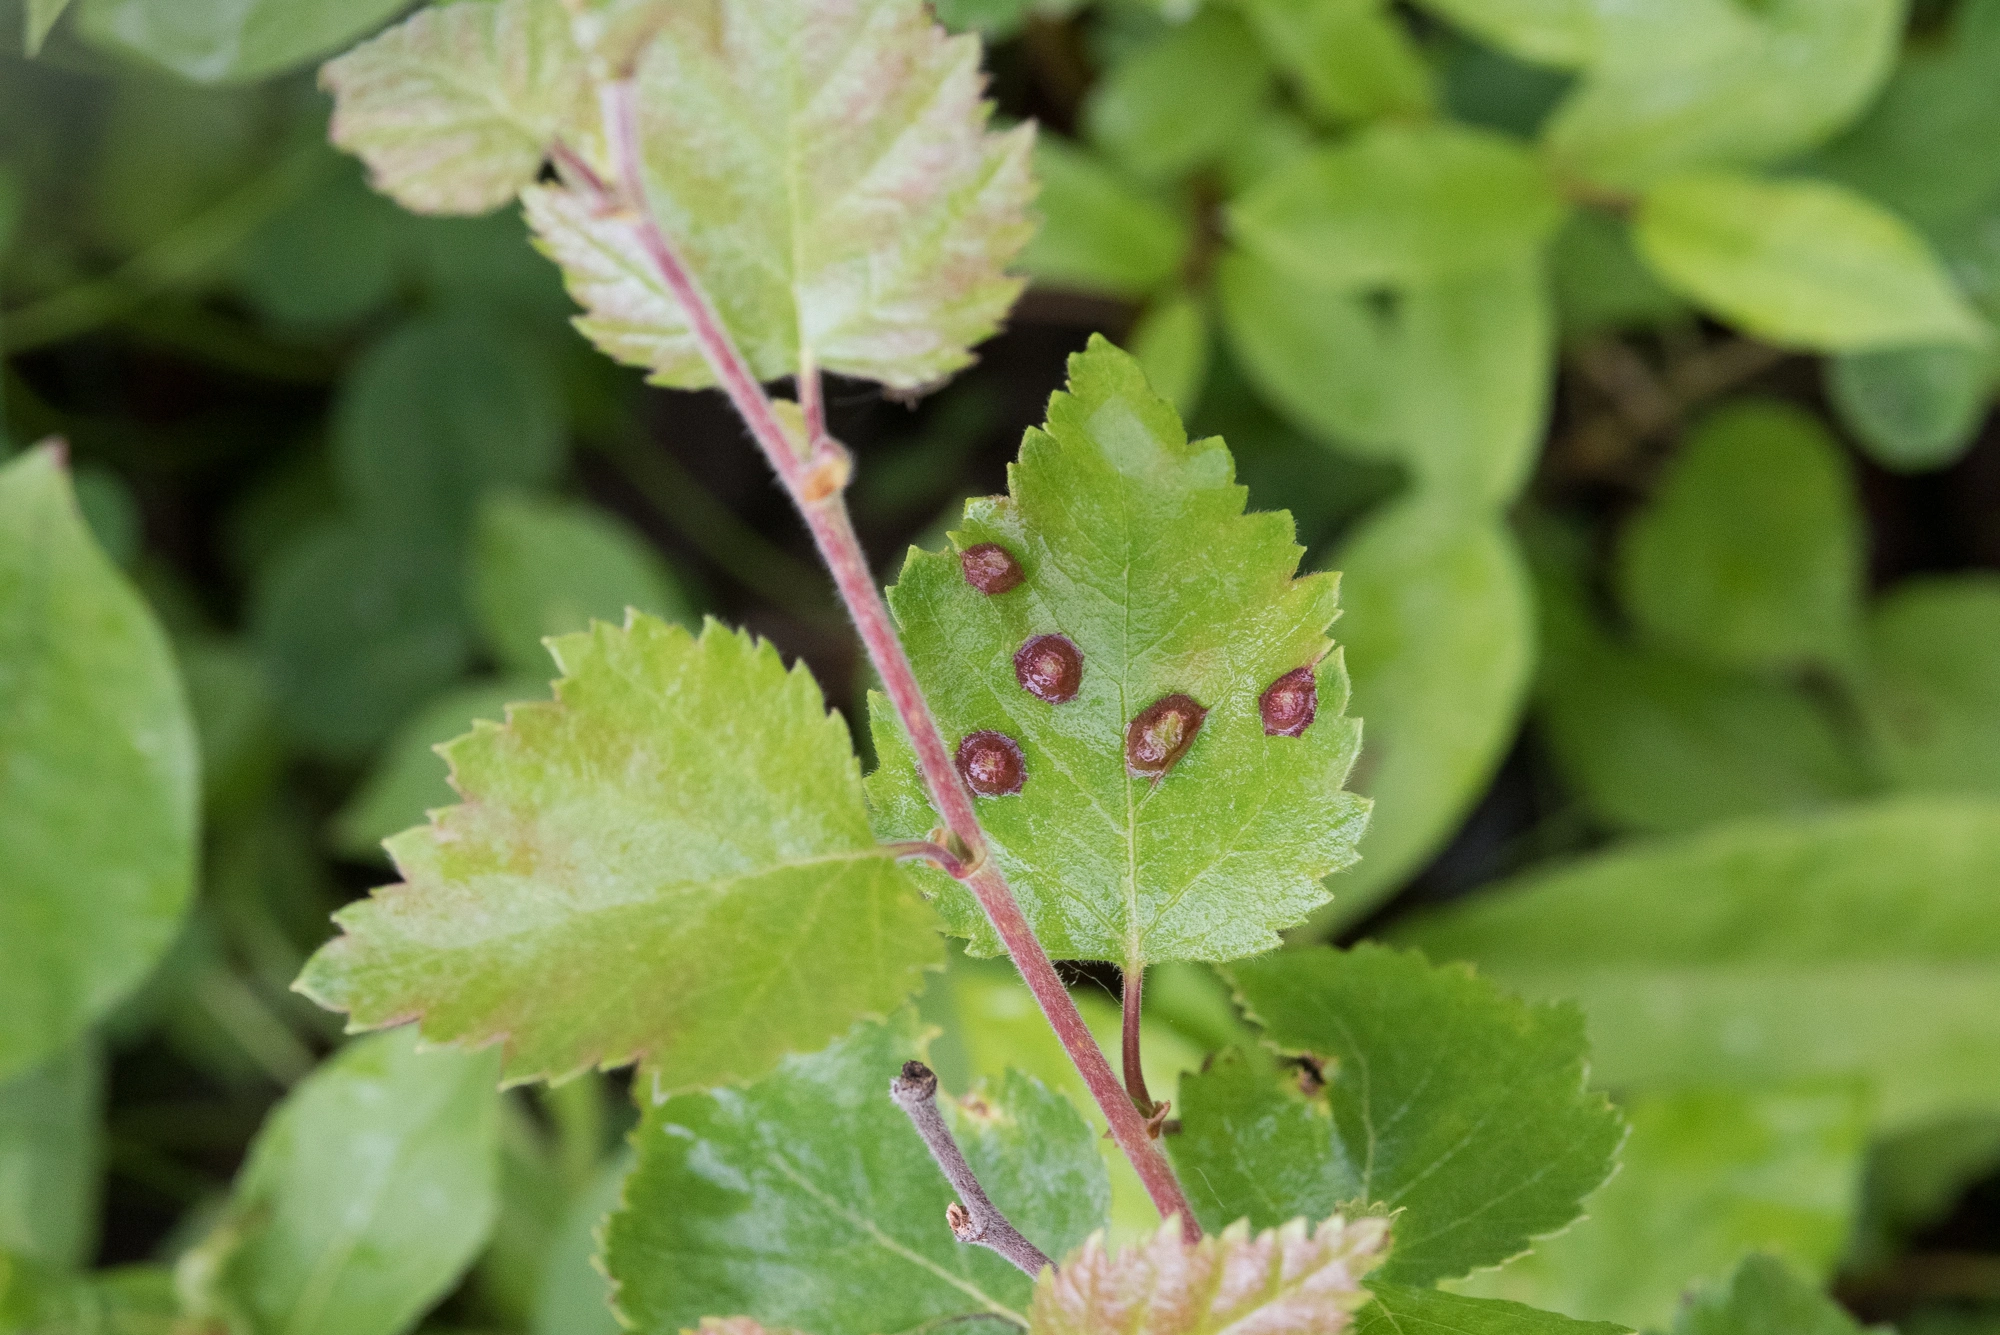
[825, 170]
[366, 1194]
[455, 108]
[1444, 1099]
[1402, 1310]
[1286, 1281]
[1133, 545]
[807, 1199]
[50, 1152]
[1099, 232]
[671, 862]
[1801, 262]
[1913, 409]
[1401, 204]
[1749, 554]
[98, 790]
[1706, 1176]
[1711, 83]
[1856, 943]
[1764, 1296]
[229, 41]
[1932, 701]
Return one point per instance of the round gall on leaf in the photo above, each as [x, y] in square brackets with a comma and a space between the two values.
[991, 764]
[990, 568]
[1050, 667]
[1161, 735]
[1289, 704]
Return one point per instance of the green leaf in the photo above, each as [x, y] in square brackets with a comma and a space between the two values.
[670, 862]
[1802, 263]
[1135, 547]
[893, 208]
[356, 627]
[50, 1149]
[455, 108]
[1399, 204]
[242, 749]
[366, 1194]
[1713, 83]
[1764, 1296]
[442, 409]
[1706, 1176]
[547, 567]
[808, 1199]
[1445, 1100]
[1749, 553]
[1351, 59]
[1171, 343]
[1401, 1310]
[1440, 628]
[328, 258]
[1857, 943]
[1140, 113]
[98, 794]
[1931, 699]
[128, 1300]
[1288, 1281]
[573, 1297]
[409, 778]
[1552, 32]
[1913, 409]
[229, 41]
[41, 17]
[1600, 281]
[1099, 233]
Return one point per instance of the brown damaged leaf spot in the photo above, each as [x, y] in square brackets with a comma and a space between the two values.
[990, 568]
[1161, 735]
[1050, 667]
[1289, 703]
[991, 764]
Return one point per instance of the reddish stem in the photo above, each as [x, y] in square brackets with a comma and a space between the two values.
[1132, 986]
[819, 496]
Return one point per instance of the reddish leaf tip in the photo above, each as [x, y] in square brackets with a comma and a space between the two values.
[1050, 667]
[1289, 703]
[991, 764]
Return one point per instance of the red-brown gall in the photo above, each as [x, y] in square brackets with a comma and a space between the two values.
[991, 764]
[1050, 667]
[990, 568]
[1161, 735]
[1289, 704]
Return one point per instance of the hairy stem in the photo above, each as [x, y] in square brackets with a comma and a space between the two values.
[1131, 987]
[815, 473]
[975, 1219]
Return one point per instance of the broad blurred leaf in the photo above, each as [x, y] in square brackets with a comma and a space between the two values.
[1600, 281]
[1440, 628]
[1860, 943]
[1801, 262]
[1706, 1176]
[241, 746]
[228, 41]
[894, 208]
[1445, 1100]
[50, 1150]
[1401, 204]
[1099, 233]
[1709, 83]
[1554, 32]
[670, 863]
[1170, 342]
[98, 789]
[1913, 409]
[356, 627]
[547, 567]
[409, 778]
[573, 1297]
[1295, 1280]
[1764, 1296]
[367, 1193]
[807, 1199]
[442, 409]
[1932, 694]
[1401, 1310]
[1134, 546]
[455, 108]
[168, 153]
[110, 510]
[1749, 552]
[127, 1300]
[329, 257]
[1140, 112]
[41, 17]
[1352, 59]
[1917, 1179]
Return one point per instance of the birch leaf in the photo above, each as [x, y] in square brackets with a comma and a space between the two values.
[671, 862]
[454, 109]
[1129, 542]
[1286, 1281]
[826, 171]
